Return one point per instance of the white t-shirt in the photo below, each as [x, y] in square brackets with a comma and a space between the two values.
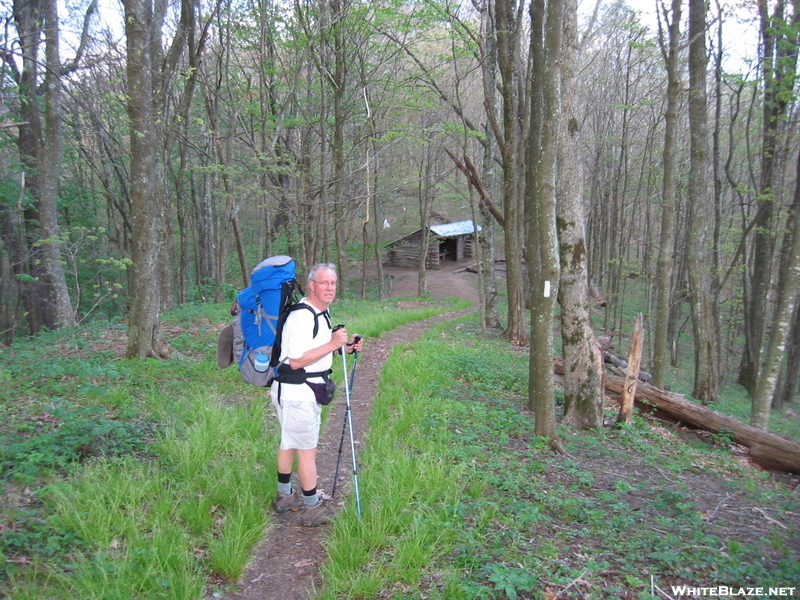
[297, 340]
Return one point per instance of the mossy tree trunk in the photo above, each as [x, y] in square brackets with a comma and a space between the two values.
[583, 394]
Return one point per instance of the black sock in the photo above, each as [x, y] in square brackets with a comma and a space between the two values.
[285, 477]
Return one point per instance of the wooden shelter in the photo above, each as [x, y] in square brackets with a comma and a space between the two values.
[449, 241]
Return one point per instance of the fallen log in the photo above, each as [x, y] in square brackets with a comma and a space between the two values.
[769, 450]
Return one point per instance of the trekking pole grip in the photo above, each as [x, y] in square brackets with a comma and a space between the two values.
[334, 330]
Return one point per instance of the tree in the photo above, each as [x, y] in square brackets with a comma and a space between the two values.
[542, 250]
[779, 40]
[508, 28]
[149, 71]
[21, 234]
[34, 241]
[786, 303]
[666, 246]
[63, 315]
[426, 190]
[706, 376]
[338, 81]
[583, 365]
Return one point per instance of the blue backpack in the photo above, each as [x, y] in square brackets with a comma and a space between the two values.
[255, 317]
[252, 341]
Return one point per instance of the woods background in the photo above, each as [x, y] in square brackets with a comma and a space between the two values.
[156, 160]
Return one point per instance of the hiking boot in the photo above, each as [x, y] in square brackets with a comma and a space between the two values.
[286, 502]
[312, 516]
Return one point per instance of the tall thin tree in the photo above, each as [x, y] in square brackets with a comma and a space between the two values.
[583, 367]
[542, 249]
[666, 247]
[508, 30]
[149, 70]
[787, 300]
[706, 375]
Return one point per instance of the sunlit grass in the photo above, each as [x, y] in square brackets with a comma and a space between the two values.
[151, 516]
[461, 501]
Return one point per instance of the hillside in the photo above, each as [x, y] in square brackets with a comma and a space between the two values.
[460, 499]
[290, 562]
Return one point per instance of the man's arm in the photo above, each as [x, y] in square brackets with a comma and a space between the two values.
[309, 357]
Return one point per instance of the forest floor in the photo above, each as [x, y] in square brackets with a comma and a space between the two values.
[287, 563]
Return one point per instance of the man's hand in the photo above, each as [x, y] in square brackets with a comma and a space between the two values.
[355, 344]
[339, 338]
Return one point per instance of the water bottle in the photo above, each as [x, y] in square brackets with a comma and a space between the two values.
[261, 363]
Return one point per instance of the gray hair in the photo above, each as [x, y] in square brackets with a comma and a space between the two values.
[320, 267]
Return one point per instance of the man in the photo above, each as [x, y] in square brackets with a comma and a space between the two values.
[295, 403]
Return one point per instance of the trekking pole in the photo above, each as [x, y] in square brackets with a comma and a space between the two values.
[341, 445]
[344, 421]
[352, 440]
[355, 361]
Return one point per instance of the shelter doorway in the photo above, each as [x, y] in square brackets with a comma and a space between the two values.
[448, 249]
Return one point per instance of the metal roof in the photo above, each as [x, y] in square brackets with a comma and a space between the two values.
[452, 229]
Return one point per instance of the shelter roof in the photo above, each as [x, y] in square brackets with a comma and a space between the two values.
[453, 229]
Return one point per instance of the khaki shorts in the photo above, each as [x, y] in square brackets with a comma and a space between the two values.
[300, 422]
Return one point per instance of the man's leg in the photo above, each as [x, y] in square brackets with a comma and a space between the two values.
[307, 471]
[287, 499]
[285, 464]
[315, 511]
[285, 460]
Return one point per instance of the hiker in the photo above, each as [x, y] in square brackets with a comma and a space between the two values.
[295, 403]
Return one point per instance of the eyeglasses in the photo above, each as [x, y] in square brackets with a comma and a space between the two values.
[327, 284]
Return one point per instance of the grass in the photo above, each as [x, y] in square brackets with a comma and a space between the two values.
[139, 479]
[475, 507]
[146, 479]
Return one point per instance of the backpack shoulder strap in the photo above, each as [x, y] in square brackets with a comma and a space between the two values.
[317, 315]
[276, 349]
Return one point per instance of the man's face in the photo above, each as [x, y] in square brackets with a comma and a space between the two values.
[322, 289]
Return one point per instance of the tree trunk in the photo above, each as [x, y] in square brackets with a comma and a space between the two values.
[425, 192]
[50, 162]
[508, 30]
[792, 371]
[666, 247]
[377, 226]
[144, 332]
[485, 237]
[787, 298]
[25, 233]
[632, 374]
[583, 398]
[367, 212]
[706, 378]
[778, 47]
[338, 15]
[150, 73]
[543, 239]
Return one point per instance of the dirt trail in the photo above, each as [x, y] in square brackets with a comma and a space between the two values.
[286, 565]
